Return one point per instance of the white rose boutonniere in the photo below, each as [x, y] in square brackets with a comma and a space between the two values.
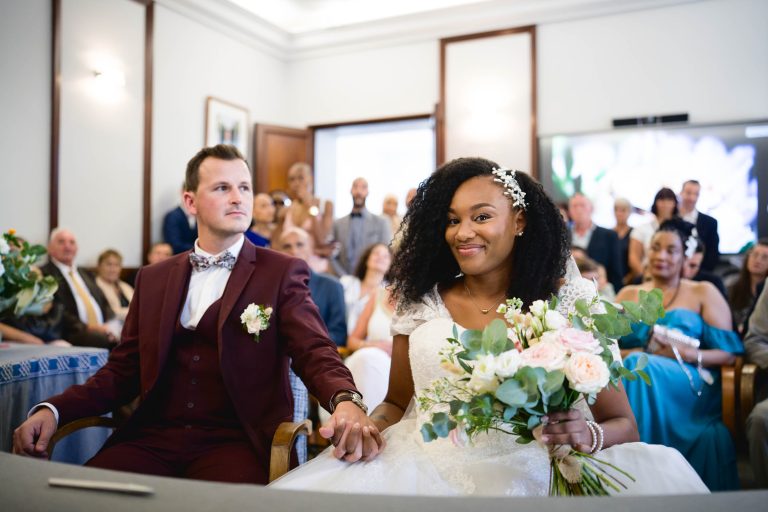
[255, 319]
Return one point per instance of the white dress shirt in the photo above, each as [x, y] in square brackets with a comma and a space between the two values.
[65, 270]
[205, 288]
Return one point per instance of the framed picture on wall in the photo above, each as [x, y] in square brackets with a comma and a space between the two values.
[226, 123]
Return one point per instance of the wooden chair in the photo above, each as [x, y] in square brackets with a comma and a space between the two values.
[731, 377]
[280, 456]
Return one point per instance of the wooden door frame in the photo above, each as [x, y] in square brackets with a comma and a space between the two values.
[440, 108]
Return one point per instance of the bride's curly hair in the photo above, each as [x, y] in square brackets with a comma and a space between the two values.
[424, 258]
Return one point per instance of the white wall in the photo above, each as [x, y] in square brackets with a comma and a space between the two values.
[709, 59]
[25, 83]
[193, 61]
[101, 172]
[374, 83]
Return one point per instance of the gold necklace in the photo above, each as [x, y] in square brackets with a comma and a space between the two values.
[484, 311]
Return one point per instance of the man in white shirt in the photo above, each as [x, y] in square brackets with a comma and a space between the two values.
[212, 376]
[706, 226]
[78, 293]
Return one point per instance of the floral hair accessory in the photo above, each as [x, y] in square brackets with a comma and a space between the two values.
[690, 246]
[511, 187]
[255, 319]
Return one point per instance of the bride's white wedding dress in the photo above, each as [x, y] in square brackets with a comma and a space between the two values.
[494, 464]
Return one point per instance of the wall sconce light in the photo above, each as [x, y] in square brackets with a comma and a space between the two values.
[110, 78]
[108, 85]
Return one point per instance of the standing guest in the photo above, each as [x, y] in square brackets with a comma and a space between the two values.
[706, 226]
[389, 213]
[664, 208]
[308, 212]
[622, 208]
[682, 408]
[366, 281]
[326, 290]
[756, 346]
[78, 292]
[743, 292]
[356, 231]
[263, 225]
[117, 292]
[692, 269]
[213, 386]
[160, 251]
[601, 244]
[179, 229]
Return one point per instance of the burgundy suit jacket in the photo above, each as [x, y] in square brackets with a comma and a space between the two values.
[255, 373]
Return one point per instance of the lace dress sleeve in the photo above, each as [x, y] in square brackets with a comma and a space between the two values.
[408, 316]
[575, 288]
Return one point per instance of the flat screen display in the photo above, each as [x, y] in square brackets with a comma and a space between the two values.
[729, 160]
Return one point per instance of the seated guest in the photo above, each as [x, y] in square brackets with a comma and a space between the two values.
[743, 292]
[682, 408]
[49, 328]
[263, 225]
[371, 344]
[693, 271]
[595, 272]
[78, 292]
[326, 291]
[367, 279]
[756, 346]
[601, 244]
[179, 229]
[160, 251]
[117, 292]
[664, 207]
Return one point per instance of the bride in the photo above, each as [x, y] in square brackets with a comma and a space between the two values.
[473, 239]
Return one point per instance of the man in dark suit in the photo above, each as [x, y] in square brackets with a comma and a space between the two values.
[706, 226]
[179, 229]
[326, 290]
[356, 231]
[601, 244]
[81, 299]
[206, 346]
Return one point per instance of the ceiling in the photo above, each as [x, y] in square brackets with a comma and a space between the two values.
[298, 16]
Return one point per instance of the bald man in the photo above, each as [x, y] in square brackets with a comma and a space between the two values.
[78, 294]
[357, 231]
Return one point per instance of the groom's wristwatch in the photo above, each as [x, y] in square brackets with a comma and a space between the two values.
[348, 396]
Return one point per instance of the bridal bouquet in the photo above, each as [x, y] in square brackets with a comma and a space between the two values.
[511, 374]
[23, 290]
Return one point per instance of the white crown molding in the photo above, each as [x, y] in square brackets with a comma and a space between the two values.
[236, 22]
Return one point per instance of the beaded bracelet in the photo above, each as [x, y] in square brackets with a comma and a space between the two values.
[598, 436]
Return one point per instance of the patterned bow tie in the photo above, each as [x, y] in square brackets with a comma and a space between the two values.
[200, 263]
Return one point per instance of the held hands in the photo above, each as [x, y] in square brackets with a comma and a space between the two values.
[567, 427]
[353, 434]
[32, 436]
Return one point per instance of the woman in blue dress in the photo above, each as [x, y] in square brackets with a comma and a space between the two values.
[682, 407]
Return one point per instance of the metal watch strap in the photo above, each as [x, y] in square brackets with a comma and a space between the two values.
[347, 395]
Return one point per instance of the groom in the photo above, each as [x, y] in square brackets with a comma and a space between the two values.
[212, 393]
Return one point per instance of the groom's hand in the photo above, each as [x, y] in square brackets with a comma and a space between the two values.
[353, 434]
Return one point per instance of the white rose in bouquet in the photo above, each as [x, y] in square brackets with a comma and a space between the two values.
[507, 363]
[483, 378]
[538, 307]
[554, 320]
[587, 373]
[550, 355]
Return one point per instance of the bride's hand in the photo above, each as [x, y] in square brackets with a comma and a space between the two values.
[567, 427]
